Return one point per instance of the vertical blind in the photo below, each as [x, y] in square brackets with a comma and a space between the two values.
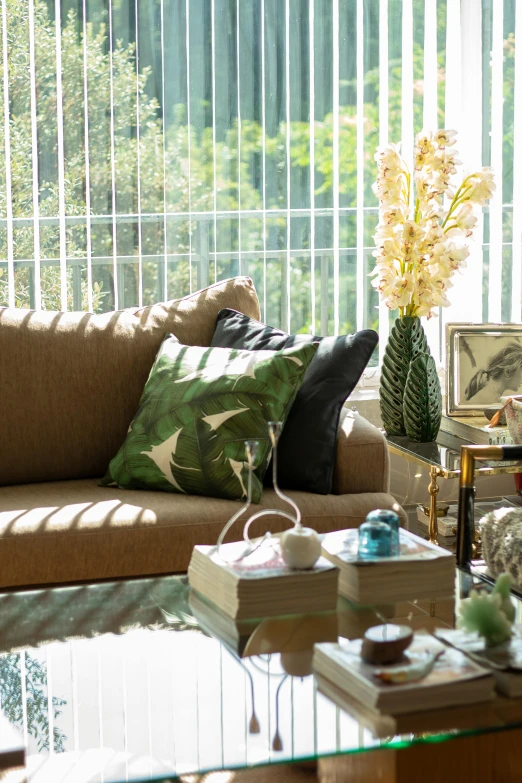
[151, 147]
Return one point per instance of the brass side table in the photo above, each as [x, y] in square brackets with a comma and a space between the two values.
[442, 458]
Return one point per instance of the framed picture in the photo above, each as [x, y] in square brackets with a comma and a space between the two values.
[484, 363]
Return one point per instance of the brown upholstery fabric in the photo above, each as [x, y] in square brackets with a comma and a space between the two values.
[70, 383]
[74, 530]
[362, 461]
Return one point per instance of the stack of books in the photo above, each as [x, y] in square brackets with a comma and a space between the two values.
[475, 429]
[422, 570]
[454, 680]
[260, 584]
[384, 726]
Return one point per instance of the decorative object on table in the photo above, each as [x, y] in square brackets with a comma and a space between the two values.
[499, 416]
[390, 518]
[418, 250]
[300, 547]
[375, 540]
[423, 570]
[432, 676]
[267, 576]
[198, 407]
[512, 410]
[491, 615]
[410, 396]
[501, 533]
[385, 643]
[409, 672]
[484, 364]
[308, 442]
[422, 403]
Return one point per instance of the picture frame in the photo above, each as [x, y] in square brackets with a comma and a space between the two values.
[483, 363]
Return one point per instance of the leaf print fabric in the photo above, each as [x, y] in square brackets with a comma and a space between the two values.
[198, 407]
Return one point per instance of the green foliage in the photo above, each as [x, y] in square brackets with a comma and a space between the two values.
[490, 615]
[502, 587]
[36, 699]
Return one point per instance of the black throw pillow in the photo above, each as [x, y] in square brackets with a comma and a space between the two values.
[306, 453]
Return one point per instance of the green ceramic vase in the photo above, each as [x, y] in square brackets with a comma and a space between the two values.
[414, 407]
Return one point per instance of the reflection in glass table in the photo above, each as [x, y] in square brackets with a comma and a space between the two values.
[442, 458]
[129, 681]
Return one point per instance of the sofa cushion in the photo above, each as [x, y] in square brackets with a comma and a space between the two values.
[70, 383]
[306, 453]
[75, 530]
[198, 407]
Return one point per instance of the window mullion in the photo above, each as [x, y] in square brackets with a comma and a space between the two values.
[7, 142]
[34, 160]
[360, 276]
[61, 158]
[497, 117]
[516, 268]
[466, 294]
[384, 313]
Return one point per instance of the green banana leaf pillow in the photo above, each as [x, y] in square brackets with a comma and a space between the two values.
[198, 407]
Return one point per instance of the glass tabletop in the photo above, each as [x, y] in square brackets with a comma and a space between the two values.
[142, 680]
[444, 454]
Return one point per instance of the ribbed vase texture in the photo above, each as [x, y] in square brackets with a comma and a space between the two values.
[410, 395]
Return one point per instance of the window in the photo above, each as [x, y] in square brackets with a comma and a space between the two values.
[150, 147]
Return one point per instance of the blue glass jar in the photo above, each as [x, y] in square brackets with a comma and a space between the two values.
[375, 540]
[391, 519]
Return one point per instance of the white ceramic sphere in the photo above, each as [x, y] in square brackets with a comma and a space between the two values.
[300, 547]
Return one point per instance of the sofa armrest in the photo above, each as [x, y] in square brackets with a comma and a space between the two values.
[362, 462]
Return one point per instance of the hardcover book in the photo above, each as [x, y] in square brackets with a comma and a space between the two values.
[421, 570]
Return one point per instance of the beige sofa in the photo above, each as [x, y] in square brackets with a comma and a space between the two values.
[70, 384]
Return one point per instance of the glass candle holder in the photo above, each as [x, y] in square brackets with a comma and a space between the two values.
[375, 540]
[389, 518]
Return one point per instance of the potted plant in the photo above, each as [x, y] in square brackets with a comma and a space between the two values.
[424, 222]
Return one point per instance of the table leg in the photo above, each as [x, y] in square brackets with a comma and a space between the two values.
[433, 489]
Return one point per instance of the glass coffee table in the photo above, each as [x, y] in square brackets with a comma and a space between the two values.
[442, 458]
[140, 680]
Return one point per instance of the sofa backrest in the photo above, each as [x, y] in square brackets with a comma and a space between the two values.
[70, 383]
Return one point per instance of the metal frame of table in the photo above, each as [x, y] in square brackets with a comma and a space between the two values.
[492, 463]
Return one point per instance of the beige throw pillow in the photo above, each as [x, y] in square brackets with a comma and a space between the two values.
[70, 383]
